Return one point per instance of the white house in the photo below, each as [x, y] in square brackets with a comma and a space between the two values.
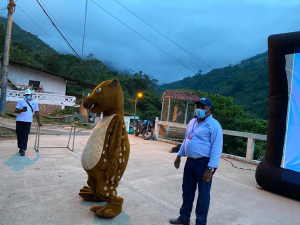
[128, 119]
[49, 89]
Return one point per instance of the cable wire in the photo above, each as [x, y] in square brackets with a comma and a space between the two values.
[65, 24]
[65, 39]
[59, 31]
[86, 6]
[163, 34]
[235, 166]
[3, 10]
[59, 26]
[143, 37]
[42, 29]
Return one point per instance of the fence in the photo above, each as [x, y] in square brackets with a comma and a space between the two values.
[165, 129]
[177, 111]
[42, 98]
[71, 136]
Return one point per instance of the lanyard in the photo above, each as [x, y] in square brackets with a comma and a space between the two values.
[193, 127]
[190, 136]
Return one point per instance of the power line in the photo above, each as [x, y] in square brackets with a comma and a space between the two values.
[86, 6]
[59, 25]
[60, 32]
[144, 37]
[163, 34]
[3, 10]
[66, 39]
[65, 23]
[42, 29]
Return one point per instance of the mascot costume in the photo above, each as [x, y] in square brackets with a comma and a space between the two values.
[106, 152]
[279, 171]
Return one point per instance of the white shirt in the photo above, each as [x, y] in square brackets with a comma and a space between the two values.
[28, 115]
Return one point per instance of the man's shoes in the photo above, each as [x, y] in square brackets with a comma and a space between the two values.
[178, 221]
[22, 152]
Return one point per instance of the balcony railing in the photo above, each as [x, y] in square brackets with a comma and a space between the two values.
[42, 98]
[250, 136]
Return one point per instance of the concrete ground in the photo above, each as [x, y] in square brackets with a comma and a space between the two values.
[42, 187]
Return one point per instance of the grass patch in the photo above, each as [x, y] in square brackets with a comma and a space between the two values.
[7, 133]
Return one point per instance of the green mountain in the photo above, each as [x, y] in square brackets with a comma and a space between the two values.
[247, 82]
[27, 38]
[29, 49]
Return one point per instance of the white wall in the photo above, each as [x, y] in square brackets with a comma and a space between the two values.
[127, 122]
[19, 74]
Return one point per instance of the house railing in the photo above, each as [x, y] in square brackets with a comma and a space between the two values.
[250, 138]
[42, 98]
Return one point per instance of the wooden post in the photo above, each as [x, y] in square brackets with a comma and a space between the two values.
[162, 109]
[250, 149]
[186, 111]
[167, 133]
[11, 9]
[135, 103]
[169, 109]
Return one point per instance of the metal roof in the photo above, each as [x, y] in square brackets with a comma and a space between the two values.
[68, 79]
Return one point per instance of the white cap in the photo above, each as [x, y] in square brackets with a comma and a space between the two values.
[27, 92]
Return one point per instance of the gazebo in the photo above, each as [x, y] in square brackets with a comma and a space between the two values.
[178, 106]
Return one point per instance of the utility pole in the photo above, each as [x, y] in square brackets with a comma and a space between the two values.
[135, 102]
[11, 9]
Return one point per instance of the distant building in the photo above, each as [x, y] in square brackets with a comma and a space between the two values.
[128, 119]
[49, 89]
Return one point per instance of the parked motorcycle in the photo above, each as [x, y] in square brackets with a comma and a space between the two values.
[145, 129]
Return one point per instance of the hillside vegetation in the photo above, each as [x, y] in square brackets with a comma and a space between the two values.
[29, 49]
[246, 82]
[30, 40]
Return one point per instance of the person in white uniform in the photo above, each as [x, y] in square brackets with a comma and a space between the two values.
[25, 109]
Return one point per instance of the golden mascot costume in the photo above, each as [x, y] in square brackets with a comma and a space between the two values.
[106, 152]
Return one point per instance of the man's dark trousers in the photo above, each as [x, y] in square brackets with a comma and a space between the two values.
[193, 175]
[22, 130]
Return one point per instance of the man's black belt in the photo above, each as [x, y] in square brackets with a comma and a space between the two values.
[201, 158]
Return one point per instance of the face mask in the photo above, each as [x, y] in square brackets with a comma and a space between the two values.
[200, 113]
[28, 97]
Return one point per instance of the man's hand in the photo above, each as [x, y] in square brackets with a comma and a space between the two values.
[207, 175]
[177, 161]
[37, 115]
[20, 110]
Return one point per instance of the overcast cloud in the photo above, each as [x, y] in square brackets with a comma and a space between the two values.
[219, 32]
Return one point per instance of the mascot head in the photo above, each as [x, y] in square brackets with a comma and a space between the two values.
[107, 97]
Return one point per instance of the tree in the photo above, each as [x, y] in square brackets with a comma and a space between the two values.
[233, 117]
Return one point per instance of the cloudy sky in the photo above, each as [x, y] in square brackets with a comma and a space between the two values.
[219, 32]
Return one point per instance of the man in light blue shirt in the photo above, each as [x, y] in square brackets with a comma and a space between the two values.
[203, 146]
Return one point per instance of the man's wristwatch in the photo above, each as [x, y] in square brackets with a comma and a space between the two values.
[211, 169]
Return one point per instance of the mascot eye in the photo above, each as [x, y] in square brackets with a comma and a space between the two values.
[98, 90]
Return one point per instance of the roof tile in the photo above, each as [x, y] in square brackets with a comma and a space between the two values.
[181, 95]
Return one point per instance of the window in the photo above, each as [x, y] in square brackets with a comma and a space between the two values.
[34, 84]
